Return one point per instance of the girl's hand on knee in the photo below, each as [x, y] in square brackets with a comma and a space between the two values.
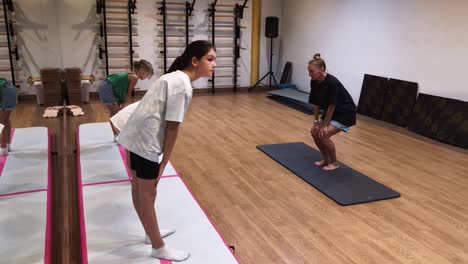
[162, 166]
[315, 130]
[160, 172]
[156, 183]
[323, 132]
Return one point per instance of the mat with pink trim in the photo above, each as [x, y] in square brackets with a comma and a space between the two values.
[25, 198]
[110, 229]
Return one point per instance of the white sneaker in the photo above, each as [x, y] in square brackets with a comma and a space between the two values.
[169, 254]
[164, 233]
[3, 151]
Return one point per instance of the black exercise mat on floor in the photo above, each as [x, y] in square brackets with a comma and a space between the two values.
[343, 185]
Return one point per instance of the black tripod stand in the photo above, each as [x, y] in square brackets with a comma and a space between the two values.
[270, 72]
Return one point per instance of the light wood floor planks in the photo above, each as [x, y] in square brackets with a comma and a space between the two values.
[272, 216]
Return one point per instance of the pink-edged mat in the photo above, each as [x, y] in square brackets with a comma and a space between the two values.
[25, 198]
[111, 231]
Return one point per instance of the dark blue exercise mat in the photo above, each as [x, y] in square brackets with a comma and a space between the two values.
[343, 185]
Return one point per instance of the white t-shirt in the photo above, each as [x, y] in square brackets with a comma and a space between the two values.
[167, 100]
[120, 119]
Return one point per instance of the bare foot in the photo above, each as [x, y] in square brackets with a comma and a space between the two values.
[331, 166]
[320, 163]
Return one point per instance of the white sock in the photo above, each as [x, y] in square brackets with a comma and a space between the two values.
[3, 151]
[8, 147]
[164, 233]
[169, 254]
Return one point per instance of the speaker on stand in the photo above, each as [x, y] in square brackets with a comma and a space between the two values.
[271, 32]
[271, 27]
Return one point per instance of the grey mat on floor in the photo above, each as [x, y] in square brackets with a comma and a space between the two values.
[291, 93]
[343, 185]
[293, 98]
[306, 108]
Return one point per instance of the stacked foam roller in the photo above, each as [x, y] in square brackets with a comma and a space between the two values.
[51, 83]
[73, 83]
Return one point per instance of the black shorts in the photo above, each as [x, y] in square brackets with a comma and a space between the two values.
[145, 169]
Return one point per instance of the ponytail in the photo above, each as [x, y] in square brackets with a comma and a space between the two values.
[196, 49]
[178, 64]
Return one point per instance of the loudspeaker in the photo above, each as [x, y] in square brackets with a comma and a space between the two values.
[271, 27]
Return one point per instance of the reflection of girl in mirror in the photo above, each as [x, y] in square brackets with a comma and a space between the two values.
[8, 99]
[119, 120]
[115, 89]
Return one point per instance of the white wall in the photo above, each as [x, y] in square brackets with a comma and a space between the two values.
[38, 37]
[56, 34]
[77, 25]
[424, 41]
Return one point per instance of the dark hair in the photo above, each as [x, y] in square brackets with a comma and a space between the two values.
[317, 60]
[143, 64]
[196, 49]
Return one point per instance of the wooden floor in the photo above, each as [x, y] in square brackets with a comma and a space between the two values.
[272, 216]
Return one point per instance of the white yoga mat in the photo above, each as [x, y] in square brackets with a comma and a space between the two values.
[100, 158]
[26, 167]
[113, 233]
[25, 198]
[110, 229]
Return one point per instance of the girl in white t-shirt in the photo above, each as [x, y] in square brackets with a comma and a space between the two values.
[119, 120]
[152, 130]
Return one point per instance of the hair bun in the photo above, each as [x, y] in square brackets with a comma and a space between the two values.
[317, 56]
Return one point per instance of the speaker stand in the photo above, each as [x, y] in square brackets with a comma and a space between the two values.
[270, 72]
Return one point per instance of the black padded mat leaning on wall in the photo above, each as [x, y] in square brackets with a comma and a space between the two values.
[399, 102]
[441, 119]
[372, 96]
